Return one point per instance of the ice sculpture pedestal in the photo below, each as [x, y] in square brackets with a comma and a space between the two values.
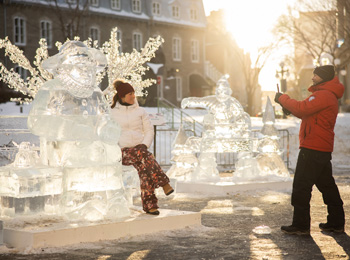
[64, 234]
[226, 187]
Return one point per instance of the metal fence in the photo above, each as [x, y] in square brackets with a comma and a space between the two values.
[164, 139]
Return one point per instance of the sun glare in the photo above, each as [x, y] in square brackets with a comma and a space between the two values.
[250, 23]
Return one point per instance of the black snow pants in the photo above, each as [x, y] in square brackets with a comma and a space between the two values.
[315, 168]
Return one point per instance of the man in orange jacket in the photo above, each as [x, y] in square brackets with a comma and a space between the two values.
[316, 136]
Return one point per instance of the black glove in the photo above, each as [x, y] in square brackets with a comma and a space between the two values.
[277, 96]
[141, 146]
[286, 111]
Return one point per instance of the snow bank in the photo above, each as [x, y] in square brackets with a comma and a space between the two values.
[341, 153]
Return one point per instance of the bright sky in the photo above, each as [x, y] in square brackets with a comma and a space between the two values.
[250, 22]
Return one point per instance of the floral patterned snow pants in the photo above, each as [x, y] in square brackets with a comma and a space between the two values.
[150, 173]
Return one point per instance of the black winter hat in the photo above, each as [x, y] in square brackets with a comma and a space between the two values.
[325, 72]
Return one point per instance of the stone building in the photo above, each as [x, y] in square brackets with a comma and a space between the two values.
[181, 67]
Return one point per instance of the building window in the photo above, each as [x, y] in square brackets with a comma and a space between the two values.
[119, 38]
[178, 82]
[175, 11]
[94, 34]
[22, 72]
[70, 28]
[46, 32]
[136, 6]
[194, 51]
[193, 14]
[137, 41]
[156, 8]
[115, 4]
[176, 49]
[20, 31]
[94, 3]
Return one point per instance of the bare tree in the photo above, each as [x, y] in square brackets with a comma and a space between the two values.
[70, 15]
[343, 12]
[313, 30]
[315, 27]
[251, 70]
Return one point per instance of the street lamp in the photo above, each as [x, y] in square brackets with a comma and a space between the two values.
[155, 68]
[282, 74]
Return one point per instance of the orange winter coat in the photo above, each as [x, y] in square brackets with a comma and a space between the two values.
[318, 114]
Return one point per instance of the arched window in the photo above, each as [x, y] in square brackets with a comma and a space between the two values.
[46, 32]
[177, 49]
[194, 50]
[137, 41]
[19, 25]
[94, 34]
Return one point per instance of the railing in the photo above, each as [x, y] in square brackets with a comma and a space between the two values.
[175, 117]
[211, 72]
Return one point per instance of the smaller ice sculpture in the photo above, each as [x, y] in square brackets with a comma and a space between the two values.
[227, 128]
[26, 156]
[184, 158]
[269, 128]
[267, 165]
[28, 186]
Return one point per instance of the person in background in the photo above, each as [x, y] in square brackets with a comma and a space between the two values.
[318, 113]
[136, 137]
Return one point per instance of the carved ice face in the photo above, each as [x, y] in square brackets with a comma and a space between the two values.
[223, 93]
[76, 66]
[78, 75]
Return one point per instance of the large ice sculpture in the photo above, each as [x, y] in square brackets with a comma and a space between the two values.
[77, 137]
[227, 128]
[267, 165]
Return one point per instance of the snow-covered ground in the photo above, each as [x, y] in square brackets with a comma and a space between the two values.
[341, 154]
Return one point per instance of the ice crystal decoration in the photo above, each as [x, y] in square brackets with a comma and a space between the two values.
[127, 66]
[38, 76]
